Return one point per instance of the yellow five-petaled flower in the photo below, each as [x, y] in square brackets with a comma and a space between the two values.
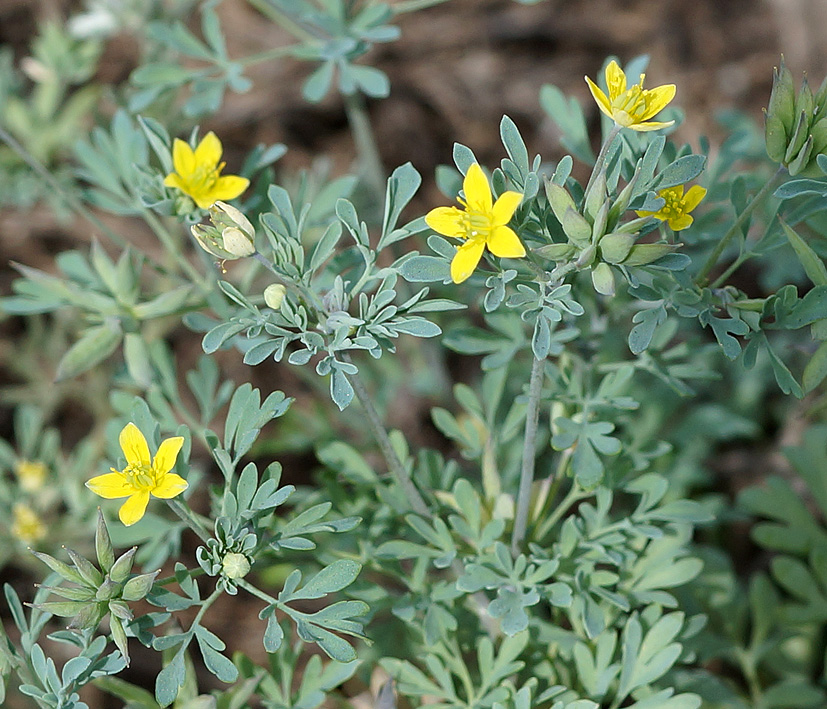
[198, 172]
[482, 223]
[632, 107]
[677, 205]
[143, 476]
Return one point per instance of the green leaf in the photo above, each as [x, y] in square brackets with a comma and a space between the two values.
[93, 347]
[335, 577]
[813, 265]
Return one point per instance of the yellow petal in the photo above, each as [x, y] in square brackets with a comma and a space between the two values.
[166, 455]
[644, 214]
[133, 509]
[448, 221]
[615, 80]
[651, 125]
[682, 222]
[183, 158]
[477, 191]
[110, 486]
[208, 152]
[504, 207]
[600, 98]
[693, 197]
[171, 485]
[174, 180]
[503, 242]
[133, 445]
[228, 187]
[657, 99]
[466, 259]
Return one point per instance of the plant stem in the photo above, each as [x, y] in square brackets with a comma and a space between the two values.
[373, 172]
[532, 415]
[168, 242]
[284, 21]
[414, 5]
[701, 279]
[258, 593]
[72, 201]
[397, 468]
[205, 606]
[600, 163]
[270, 54]
[191, 520]
[573, 495]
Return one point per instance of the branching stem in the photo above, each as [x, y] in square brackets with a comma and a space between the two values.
[397, 468]
[532, 416]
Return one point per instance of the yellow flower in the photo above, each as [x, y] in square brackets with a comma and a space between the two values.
[27, 526]
[675, 211]
[141, 478]
[481, 224]
[198, 172]
[633, 107]
[31, 474]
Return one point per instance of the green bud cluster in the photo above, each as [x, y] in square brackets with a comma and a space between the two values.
[596, 239]
[97, 592]
[795, 126]
[230, 235]
[228, 554]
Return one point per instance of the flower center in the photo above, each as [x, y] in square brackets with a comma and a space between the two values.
[673, 206]
[477, 224]
[204, 177]
[141, 477]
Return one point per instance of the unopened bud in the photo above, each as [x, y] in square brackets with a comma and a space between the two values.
[237, 243]
[230, 235]
[235, 565]
[274, 295]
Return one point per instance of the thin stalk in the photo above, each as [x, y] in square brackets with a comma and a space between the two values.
[743, 257]
[373, 171]
[532, 416]
[600, 163]
[71, 201]
[572, 496]
[258, 593]
[270, 54]
[414, 5]
[286, 23]
[188, 516]
[701, 278]
[205, 606]
[168, 242]
[397, 468]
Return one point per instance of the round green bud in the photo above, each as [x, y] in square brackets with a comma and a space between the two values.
[274, 295]
[235, 565]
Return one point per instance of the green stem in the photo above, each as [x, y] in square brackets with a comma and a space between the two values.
[573, 495]
[287, 23]
[168, 242]
[701, 279]
[205, 606]
[258, 593]
[532, 415]
[600, 163]
[270, 54]
[188, 516]
[72, 201]
[397, 468]
[414, 5]
[373, 172]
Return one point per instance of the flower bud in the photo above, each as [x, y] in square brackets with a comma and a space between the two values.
[603, 279]
[235, 565]
[230, 234]
[274, 295]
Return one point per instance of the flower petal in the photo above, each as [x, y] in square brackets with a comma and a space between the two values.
[693, 197]
[615, 80]
[600, 98]
[504, 207]
[447, 221]
[133, 509]
[166, 455]
[110, 486]
[171, 485]
[657, 99]
[183, 158]
[684, 221]
[174, 180]
[466, 259]
[208, 152]
[503, 242]
[651, 125]
[477, 191]
[133, 445]
[228, 187]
